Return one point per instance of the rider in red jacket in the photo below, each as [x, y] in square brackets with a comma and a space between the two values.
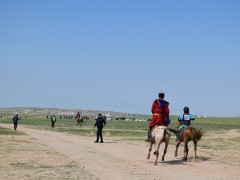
[160, 112]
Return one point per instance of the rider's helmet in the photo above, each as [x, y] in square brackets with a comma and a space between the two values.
[161, 94]
[186, 110]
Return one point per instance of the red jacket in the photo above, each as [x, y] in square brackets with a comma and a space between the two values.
[160, 113]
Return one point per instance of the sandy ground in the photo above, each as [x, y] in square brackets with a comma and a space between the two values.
[52, 155]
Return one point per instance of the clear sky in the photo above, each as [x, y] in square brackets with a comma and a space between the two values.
[118, 55]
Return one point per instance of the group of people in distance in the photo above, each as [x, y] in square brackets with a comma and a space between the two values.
[160, 116]
[100, 123]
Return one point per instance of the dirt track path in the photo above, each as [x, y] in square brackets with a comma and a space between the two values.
[127, 160]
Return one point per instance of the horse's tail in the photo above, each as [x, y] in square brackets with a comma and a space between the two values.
[166, 132]
[198, 135]
[172, 130]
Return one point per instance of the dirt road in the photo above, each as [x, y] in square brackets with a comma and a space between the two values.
[115, 159]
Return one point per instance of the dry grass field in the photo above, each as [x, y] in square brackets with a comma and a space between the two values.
[36, 151]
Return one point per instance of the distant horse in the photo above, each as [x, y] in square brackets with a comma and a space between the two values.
[159, 134]
[79, 120]
[189, 133]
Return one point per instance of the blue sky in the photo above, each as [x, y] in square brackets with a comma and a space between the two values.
[117, 55]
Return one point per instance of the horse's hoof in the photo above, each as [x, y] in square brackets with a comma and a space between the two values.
[184, 159]
[175, 155]
[162, 159]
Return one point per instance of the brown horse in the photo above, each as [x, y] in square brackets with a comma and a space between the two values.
[189, 133]
[79, 120]
[159, 134]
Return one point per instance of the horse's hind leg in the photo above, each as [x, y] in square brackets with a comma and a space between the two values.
[157, 153]
[150, 149]
[185, 151]
[165, 149]
[195, 148]
[177, 148]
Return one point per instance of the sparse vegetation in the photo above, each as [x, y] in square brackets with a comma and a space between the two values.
[222, 135]
[134, 130]
[6, 131]
[38, 163]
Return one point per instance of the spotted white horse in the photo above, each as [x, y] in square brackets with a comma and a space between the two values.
[159, 134]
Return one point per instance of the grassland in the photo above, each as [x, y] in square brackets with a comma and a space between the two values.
[23, 158]
[6, 131]
[128, 129]
[221, 139]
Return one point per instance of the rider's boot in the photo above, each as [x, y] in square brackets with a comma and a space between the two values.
[149, 136]
[178, 136]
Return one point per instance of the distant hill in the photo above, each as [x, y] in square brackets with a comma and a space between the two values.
[49, 111]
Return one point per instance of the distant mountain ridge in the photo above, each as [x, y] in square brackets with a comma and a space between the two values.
[49, 111]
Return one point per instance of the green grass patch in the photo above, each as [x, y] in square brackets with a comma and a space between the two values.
[6, 131]
[122, 128]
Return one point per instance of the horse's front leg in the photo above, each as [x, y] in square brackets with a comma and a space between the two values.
[165, 149]
[177, 148]
[195, 148]
[150, 149]
[185, 151]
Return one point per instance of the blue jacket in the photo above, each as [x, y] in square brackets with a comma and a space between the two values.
[186, 119]
[15, 118]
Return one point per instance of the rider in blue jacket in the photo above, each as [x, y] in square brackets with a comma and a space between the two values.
[184, 120]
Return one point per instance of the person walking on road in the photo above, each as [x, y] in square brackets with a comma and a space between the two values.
[15, 121]
[100, 123]
[53, 120]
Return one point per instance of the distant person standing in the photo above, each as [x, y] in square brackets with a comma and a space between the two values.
[53, 120]
[15, 121]
[100, 123]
